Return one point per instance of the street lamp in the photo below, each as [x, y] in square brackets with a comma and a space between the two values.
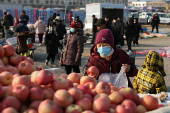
[66, 3]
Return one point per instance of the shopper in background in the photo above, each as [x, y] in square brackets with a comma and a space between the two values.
[40, 29]
[108, 22]
[94, 28]
[155, 22]
[6, 25]
[78, 20]
[71, 58]
[10, 18]
[24, 18]
[70, 17]
[51, 19]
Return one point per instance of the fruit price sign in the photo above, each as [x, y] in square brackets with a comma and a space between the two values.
[12, 41]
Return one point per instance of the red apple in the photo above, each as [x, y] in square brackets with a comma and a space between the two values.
[48, 106]
[80, 74]
[137, 99]
[6, 78]
[13, 70]
[75, 84]
[39, 68]
[74, 77]
[25, 68]
[2, 68]
[44, 77]
[23, 58]
[103, 87]
[130, 104]
[29, 60]
[112, 110]
[34, 76]
[9, 50]
[36, 94]
[64, 75]
[35, 105]
[7, 91]
[1, 62]
[116, 97]
[103, 96]
[150, 102]
[70, 83]
[88, 96]
[60, 110]
[16, 75]
[85, 104]
[21, 92]
[59, 83]
[141, 109]
[160, 105]
[113, 106]
[9, 110]
[122, 109]
[11, 101]
[24, 80]
[91, 85]
[101, 105]
[1, 92]
[35, 85]
[15, 59]
[5, 60]
[84, 89]
[86, 79]
[1, 107]
[93, 92]
[127, 93]
[88, 111]
[30, 111]
[48, 94]
[77, 94]
[63, 98]
[73, 109]
[93, 71]
[2, 51]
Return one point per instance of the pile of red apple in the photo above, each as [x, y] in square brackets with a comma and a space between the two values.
[23, 89]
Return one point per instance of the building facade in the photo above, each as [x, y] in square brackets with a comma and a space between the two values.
[61, 3]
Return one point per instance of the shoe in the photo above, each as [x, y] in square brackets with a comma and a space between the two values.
[133, 45]
[46, 62]
[129, 52]
[53, 64]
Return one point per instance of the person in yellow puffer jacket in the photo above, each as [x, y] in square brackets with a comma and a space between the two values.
[150, 78]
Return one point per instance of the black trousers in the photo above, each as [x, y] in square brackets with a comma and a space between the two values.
[3, 33]
[93, 37]
[153, 26]
[52, 57]
[129, 42]
[68, 69]
[136, 38]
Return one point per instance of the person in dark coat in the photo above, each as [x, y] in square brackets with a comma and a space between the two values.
[74, 48]
[108, 23]
[155, 22]
[78, 20]
[21, 27]
[51, 19]
[10, 18]
[109, 59]
[137, 28]
[129, 32]
[60, 29]
[101, 24]
[24, 18]
[51, 43]
[94, 28]
[6, 26]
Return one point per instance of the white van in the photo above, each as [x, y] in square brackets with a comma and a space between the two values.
[164, 18]
[144, 17]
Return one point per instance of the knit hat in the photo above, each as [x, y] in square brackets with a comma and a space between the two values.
[75, 24]
[105, 36]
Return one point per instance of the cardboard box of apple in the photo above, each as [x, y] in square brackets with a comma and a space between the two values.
[27, 89]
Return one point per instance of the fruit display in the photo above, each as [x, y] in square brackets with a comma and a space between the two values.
[25, 88]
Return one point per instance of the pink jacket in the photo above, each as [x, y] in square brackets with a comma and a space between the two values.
[40, 27]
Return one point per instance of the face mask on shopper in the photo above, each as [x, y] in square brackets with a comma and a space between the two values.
[72, 30]
[104, 50]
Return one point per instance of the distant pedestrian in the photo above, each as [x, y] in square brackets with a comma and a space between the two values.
[108, 22]
[155, 22]
[51, 42]
[40, 29]
[6, 25]
[24, 18]
[94, 28]
[79, 21]
[10, 18]
[58, 17]
[74, 48]
[51, 19]
[70, 17]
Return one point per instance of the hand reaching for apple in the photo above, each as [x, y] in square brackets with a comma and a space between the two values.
[127, 67]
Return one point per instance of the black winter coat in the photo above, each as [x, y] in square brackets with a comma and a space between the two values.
[79, 21]
[25, 19]
[129, 30]
[21, 29]
[11, 19]
[155, 20]
[94, 26]
[51, 42]
[60, 30]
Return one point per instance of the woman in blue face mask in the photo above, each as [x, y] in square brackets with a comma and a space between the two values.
[71, 58]
[109, 59]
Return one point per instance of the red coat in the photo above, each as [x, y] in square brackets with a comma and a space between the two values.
[104, 66]
[70, 17]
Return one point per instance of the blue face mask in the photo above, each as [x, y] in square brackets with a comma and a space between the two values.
[104, 50]
[72, 30]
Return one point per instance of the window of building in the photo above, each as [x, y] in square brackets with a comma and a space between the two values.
[9, 0]
[25, 1]
[31, 1]
[62, 2]
[74, 3]
[139, 4]
[56, 2]
[37, 1]
[19, 1]
[70, 3]
[1, 0]
[46, 2]
[14, 2]
[51, 2]
[143, 4]
[81, 3]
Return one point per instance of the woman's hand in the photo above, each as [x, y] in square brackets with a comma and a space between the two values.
[127, 67]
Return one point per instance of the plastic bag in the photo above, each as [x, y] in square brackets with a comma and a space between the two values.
[57, 71]
[118, 79]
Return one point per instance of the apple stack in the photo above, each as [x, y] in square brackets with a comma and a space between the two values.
[25, 89]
